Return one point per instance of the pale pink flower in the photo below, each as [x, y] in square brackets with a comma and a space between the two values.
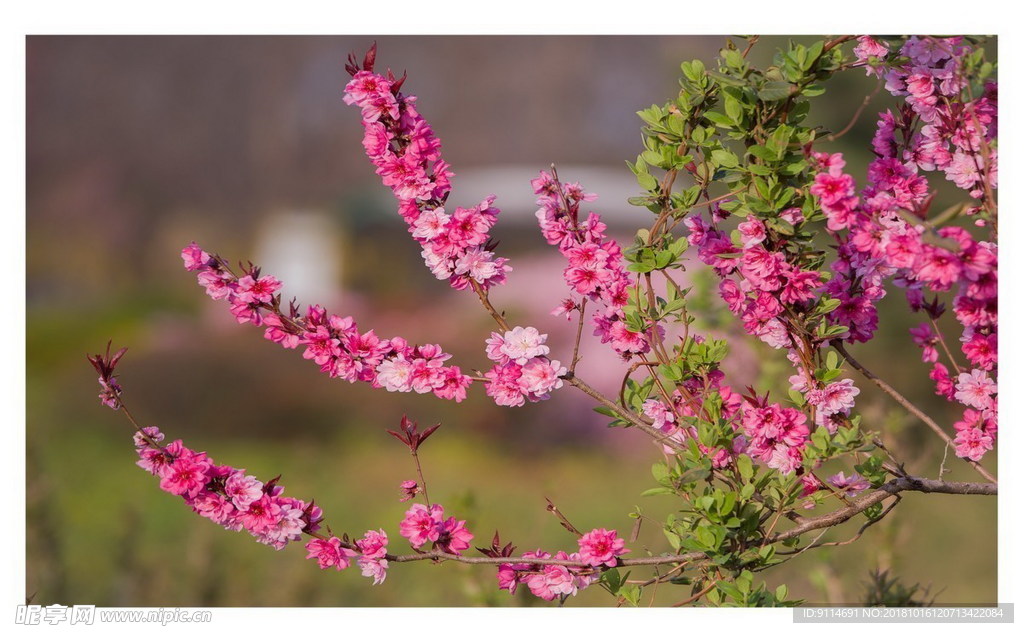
[540, 376]
[376, 568]
[243, 489]
[852, 485]
[975, 389]
[522, 344]
[395, 374]
[752, 232]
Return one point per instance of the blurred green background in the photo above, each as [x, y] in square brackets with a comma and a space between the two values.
[138, 145]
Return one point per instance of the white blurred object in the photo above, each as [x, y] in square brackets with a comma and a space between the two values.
[303, 250]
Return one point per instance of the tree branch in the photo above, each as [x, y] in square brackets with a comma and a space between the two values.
[836, 517]
[908, 405]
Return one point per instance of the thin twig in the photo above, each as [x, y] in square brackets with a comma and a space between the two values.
[579, 334]
[856, 115]
[909, 406]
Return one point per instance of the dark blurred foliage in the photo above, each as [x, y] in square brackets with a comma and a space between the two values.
[138, 145]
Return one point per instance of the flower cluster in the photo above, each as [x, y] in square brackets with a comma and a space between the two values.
[928, 72]
[599, 547]
[776, 435]
[595, 267]
[226, 495]
[521, 371]
[374, 549]
[407, 155]
[422, 524]
[237, 501]
[880, 234]
[333, 342]
[766, 281]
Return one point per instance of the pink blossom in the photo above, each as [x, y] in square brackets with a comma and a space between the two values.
[503, 385]
[943, 385]
[975, 389]
[452, 536]
[852, 485]
[972, 444]
[664, 419]
[395, 374]
[410, 489]
[373, 544]
[329, 552]
[194, 257]
[522, 344]
[540, 376]
[868, 47]
[376, 568]
[421, 524]
[834, 398]
[243, 489]
[776, 435]
[186, 475]
[752, 232]
[251, 290]
[213, 506]
[601, 547]
[260, 514]
[980, 349]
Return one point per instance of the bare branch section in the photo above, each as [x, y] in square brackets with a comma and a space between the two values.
[856, 507]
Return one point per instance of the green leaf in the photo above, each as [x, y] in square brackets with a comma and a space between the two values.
[746, 466]
[733, 108]
[774, 90]
[653, 492]
[647, 181]
[725, 158]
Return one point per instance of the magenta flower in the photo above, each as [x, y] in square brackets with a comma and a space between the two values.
[453, 537]
[421, 524]
[329, 553]
[186, 475]
[601, 547]
[260, 290]
[373, 544]
[261, 514]
[776, 435]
